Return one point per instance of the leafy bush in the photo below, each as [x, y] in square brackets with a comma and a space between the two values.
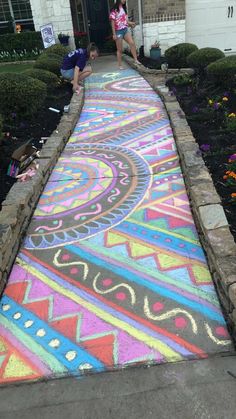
[1, 128]
[230, 123]
[56, 49]
[20, 95]
[182, 79]
[50, 63]
[20, 46]
[176, 56]
[223, 71]
[50, 79]
[201, 58]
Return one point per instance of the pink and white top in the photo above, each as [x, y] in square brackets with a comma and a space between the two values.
[120, 19]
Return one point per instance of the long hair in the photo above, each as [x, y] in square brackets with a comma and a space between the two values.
[117, 6]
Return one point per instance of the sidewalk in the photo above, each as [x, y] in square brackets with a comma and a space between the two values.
[111, 273]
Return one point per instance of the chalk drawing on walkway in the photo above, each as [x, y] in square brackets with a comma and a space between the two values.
[111, 273]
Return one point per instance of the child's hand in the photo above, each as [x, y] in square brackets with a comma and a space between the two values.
[114, 37]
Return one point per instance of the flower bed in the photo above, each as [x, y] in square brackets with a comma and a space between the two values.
[211, 114]
[17, 132]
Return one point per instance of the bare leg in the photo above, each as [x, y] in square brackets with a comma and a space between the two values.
[119, 43]
[87, 71]
[128, 38]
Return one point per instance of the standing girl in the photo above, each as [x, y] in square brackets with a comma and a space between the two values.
[120, 23]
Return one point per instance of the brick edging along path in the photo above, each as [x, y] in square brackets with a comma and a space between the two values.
[208, 212]
[22, 198]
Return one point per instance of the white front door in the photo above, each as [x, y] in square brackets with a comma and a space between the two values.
[211, 24]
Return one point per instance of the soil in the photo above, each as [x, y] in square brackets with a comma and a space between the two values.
[41, 126]
[208, 131]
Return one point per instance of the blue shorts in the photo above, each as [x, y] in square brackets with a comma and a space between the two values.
[68, 74]
[122, 32]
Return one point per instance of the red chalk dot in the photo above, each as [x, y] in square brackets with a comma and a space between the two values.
[107, 282]
[66, 257]
[180, 322]
[157, 306]
[74, 271]
[168, 240]
[121, 296]
[221, 331]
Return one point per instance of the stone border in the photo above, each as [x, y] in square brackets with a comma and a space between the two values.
[21, 200]
[208, 212]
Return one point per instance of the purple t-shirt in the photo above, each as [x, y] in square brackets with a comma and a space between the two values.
[77, 58]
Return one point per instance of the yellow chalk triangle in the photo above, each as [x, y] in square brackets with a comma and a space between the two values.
[17, 368]
[167, 261]
[201, 274]
[139, 250]
[114, 239]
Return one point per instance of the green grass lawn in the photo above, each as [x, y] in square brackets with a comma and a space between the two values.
[14, 68]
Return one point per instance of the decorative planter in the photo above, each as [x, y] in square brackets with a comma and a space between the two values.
[155, 53]
[64, 40]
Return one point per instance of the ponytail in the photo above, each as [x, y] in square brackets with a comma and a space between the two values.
[92, 47]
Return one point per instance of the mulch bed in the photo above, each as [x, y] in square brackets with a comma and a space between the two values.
[16, 134]
[215, 143]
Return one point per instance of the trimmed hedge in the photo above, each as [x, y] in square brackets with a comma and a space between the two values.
[56, 49]
[24, 41]
[50, 79]
[176, 56]
[223, 71]
[203, 57]
[21, 95]
[50, 63]
[1, 128]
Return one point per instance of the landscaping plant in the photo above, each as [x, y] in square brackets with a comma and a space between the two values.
[21, 95]
[176, 56]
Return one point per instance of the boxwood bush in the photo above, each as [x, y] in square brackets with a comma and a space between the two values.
[21, 95]
[1, 128]
[49, 78]
[17, 46]
[223, 71]
[176, 56]
[201, 58]
[56, 49]
[50, 63]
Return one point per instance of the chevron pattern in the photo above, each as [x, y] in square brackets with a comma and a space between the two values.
[111, 272]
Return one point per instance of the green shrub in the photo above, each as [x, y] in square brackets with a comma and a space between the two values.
[50, 79]
[203, 57]
[24, 45]
[56, 49]
[21, 95]
[50, 63]
[182, 79]
[223, 71]
[1, 128]
[176, 56]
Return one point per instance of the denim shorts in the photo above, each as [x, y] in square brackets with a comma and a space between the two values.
[122, 32]
[68, 74]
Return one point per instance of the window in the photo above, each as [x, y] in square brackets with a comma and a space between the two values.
[21, 10]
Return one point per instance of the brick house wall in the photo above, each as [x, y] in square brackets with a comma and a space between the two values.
[157, 7]
[163, 20]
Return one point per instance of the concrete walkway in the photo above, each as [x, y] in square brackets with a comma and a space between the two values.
[111, 272]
